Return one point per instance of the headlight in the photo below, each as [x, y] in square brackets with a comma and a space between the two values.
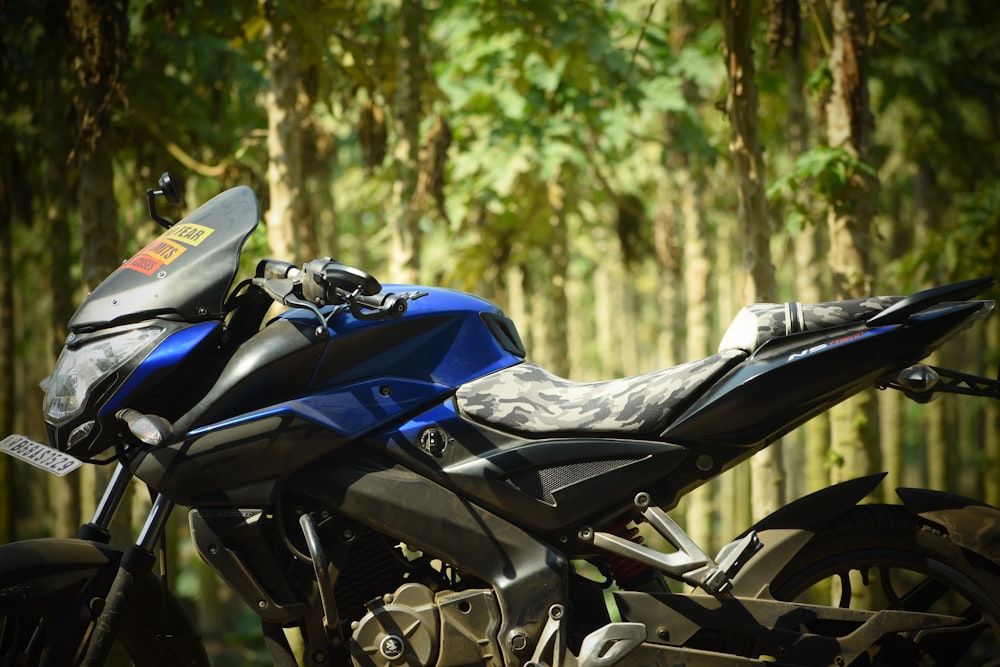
[77, 371]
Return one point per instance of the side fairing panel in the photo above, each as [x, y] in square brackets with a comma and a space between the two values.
[790, 379]
[252, 452]
[546, 485]
[444, 340]
[289, 395]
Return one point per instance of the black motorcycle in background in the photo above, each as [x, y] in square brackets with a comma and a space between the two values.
[381, 469]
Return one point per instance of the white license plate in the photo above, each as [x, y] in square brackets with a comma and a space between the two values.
[39, 455]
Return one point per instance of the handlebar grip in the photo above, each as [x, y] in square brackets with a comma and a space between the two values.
[387, 305]
[275, 268]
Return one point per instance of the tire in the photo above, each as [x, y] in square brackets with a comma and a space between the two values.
[884, 557]
[53, 631]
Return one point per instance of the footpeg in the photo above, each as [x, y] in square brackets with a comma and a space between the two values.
[735, 555]
[689, 563]
[605, 646]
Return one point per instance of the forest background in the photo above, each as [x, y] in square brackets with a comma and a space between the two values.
[621, 177]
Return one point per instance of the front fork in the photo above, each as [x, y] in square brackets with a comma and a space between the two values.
[138, 557]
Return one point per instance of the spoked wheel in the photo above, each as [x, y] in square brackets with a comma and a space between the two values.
[883, 557]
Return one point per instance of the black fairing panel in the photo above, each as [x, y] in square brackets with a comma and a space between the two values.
[547, 485]
[251, 457]
[185, 272]
[277, 363]
[793, 378]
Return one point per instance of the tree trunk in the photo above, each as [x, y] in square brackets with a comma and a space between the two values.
[100, 29]
[991, 418]
[404, 215]
[100, 32]
[284, 127]
[890, 406]
[748, 162]
[319, 216]
[8, 405]
[809, 264]
[606, 316]
[556, 347]
[701, 505]
[854, 423]
[665, 250]
[890, 403]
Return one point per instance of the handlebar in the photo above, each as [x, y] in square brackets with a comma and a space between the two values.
[326, 282]
[387, 305]
[273, 268]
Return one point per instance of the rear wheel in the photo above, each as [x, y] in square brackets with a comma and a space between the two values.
[883, 557]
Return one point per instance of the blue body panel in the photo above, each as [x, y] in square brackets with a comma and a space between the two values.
[370, 372]
[350, 411]
[455, 347]
[168, 354]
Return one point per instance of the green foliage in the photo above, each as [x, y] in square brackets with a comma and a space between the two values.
[939, 73]
[968, 248]
[823, 171]
[532, 90]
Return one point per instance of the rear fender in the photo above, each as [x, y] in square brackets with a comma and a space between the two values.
[972, 524]
[788, 529]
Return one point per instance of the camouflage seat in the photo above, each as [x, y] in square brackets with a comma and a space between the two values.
[528, 399]
[758, 323]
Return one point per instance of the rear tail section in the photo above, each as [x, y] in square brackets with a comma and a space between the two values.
[790, 377]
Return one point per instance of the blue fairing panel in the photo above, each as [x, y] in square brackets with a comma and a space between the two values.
[168, 354]
[443, 338]
[351, 410]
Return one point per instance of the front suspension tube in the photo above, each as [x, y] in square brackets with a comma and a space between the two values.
[98, 529]
[137, 558]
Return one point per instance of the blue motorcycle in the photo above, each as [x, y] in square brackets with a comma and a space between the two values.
[380, 468]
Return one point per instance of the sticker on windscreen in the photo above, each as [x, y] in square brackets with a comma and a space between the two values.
[165, 251]
[188, 233]
[169, 246]
[143, 263]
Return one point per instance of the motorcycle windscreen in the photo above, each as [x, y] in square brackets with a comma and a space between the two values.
[185, 272]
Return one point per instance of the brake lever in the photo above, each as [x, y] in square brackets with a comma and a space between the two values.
[283, 291]
[279, 289]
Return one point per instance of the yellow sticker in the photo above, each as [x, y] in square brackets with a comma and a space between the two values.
[188, 233]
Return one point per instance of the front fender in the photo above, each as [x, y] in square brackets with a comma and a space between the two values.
[34, 570]
[972, 524]
[788, 529]
[65, 575]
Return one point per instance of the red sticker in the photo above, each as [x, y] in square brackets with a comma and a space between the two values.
[143, 263]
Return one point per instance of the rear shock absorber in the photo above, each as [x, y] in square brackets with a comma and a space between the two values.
[625, 570]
